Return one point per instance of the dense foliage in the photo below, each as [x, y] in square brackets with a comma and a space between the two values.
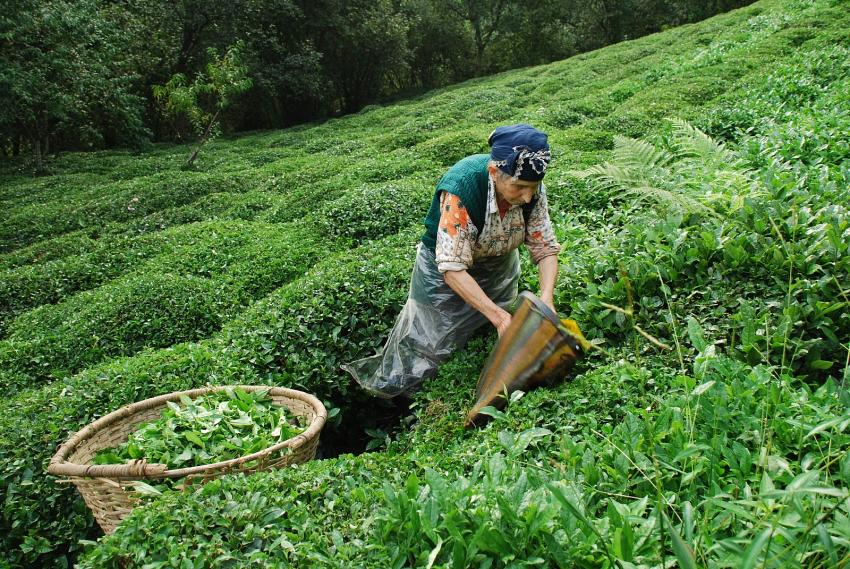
[700, 186]
[211, 428]
[78, 75]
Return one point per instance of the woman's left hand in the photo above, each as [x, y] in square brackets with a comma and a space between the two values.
[548, 301]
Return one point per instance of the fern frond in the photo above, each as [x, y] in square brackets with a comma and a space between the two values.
[608, 175]
[694, 143]
[675, 200]
[639, 153]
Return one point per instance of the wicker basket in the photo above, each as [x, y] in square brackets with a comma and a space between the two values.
[103, 486]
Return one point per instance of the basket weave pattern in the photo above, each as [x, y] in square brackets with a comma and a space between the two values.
[104, 487]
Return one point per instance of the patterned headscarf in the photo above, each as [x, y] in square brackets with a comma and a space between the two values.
[521, 151]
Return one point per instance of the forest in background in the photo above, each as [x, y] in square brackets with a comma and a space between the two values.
[84, 74]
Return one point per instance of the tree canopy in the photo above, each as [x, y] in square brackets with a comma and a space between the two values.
[77, 75]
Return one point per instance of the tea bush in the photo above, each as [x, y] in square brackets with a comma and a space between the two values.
[762, 99]
[585, 139]
[276, 519]
[146, 311]
[243, 261]
[339, 492]
[52, 280]
[340, 311]
[121, 202]
[372, 212]
[598, 493]
[448, 149]
[73, 243]
[253, 258]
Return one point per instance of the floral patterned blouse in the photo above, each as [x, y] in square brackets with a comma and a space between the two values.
[460, 243]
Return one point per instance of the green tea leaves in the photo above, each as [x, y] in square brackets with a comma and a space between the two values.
[195, 438]
[212, 428]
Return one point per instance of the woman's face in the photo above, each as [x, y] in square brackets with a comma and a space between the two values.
[515, 192]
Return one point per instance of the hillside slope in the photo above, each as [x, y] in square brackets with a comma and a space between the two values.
[289, 253]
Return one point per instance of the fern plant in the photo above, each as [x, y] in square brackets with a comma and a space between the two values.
[686, 171]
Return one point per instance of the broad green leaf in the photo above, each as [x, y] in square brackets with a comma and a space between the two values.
[134, 451]
[272, 514]
[696, 335]
[828, 425]
[683, 551]
[688, 521]
[492, 412]
[700, 389]
[828, 546]
[627, 541]
[751, 554]
[144, 488]
[432, 557]
[195, 438]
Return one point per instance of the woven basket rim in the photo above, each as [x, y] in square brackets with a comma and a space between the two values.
[61, 466]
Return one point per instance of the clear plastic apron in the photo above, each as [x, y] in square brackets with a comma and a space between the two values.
[433, 323]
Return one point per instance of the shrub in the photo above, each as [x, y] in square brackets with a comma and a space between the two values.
[48, 282]
[627, 123]
[589, 140]
[256, 258]
[203, 274]
[281, 519]
[126, 200]
[385, 167]
[372, 212]
[340, 311]
[137, 312]
[563, 117]
[252, 259]
[73, 243]
[449, 148]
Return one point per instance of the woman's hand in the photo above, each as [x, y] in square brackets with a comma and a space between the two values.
[468, 289]
[548, 301]
[501, 321]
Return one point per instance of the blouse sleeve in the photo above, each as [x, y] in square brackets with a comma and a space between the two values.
[539, 234]
[456, 235]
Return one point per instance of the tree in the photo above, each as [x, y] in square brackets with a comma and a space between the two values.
[290, 83]
[439, 47]
[64, 76]
[211, 92]
[363, 45]
[484, 17]
[537, 31]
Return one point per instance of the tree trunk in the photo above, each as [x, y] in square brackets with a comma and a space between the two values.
[39, 164]
[203, 140]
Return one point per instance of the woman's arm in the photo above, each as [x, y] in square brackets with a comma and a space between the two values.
[548, 269]
[469, 290]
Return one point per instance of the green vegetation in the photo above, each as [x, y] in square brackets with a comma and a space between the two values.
[699, 186]
[210, 428]
[90, 73]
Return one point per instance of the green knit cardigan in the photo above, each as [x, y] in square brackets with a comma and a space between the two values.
[468, 179]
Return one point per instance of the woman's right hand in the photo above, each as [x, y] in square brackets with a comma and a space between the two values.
[502, 321]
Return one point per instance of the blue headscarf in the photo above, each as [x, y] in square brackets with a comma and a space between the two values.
[521, 151]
